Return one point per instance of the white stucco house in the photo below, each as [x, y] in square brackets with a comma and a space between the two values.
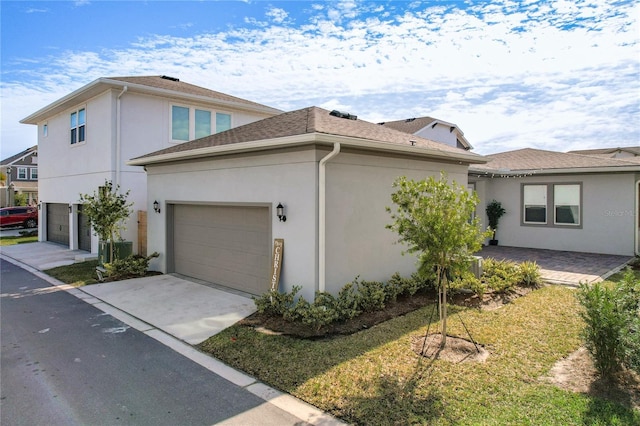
[217, 200]
[433, 129]
[86, 137]
[582, 202]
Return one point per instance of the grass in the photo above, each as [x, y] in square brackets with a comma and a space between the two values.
[374, 378]
[12, 240]
[77, 274]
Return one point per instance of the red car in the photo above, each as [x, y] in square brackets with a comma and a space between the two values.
[19, 216]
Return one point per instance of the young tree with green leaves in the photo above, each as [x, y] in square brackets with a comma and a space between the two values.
[433, 217]
[107, 210]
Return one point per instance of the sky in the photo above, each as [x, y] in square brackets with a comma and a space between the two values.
[554, 75]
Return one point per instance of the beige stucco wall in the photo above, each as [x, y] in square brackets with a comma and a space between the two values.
[359, 188]
[608, 214]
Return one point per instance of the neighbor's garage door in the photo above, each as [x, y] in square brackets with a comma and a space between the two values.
[225, 245]
[58, 223]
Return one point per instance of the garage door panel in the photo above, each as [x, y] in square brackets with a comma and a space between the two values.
[226, 245]
[58, 223]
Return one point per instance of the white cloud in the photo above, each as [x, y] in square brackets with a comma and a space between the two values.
[508, 76]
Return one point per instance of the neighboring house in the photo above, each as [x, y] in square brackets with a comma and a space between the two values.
[20, 173]
[85, 138]
[431, 128]
[630, 153]
[563, 201]
[217, 200]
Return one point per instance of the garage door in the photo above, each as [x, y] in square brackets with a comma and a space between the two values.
[225, 245]
[58, 223]
[84, 231]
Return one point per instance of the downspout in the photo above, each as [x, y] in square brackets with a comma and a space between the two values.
[322, 180]
[118, 142]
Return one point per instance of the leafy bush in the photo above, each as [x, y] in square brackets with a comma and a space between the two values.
[321, 312]
[372, 295]
[468, 281]
[530, 274]
[603, 324]
[500, 275]
[129, 267]
[628, 296]
[275, 303]
[348, 302]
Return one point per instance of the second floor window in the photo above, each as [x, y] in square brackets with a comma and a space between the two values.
[34, 173]
[192, 123]
[78, 122]
[22, 172]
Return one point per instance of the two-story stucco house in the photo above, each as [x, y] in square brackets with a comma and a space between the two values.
[20, 172]
[87, 136]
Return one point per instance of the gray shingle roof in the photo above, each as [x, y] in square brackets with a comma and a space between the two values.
[409, 125]
[10, 160]
[312, 120]
[528, 159]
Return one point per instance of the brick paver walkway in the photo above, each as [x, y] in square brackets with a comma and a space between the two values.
[562, 267]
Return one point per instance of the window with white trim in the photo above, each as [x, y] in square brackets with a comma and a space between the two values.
[78, 123]
[45, 130]
[535, 204]
[566, 204]
[193, 123]
[22, 173]
[33, 171]
[554, 204]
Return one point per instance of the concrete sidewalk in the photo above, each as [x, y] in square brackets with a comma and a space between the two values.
[173, 310]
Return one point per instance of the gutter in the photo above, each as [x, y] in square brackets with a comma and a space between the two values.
[322, 219]
[542, 172]
[118, 135]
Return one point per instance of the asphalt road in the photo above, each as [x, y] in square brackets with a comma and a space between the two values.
[64, 362]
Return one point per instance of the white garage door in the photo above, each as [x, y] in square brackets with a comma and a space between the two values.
[226, 245]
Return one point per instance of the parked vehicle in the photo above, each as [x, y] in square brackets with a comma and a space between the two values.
[19, 216]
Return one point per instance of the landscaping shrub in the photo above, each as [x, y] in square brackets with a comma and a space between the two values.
[275, 303]
[500, 275]
[468, 281]
[372, 295]
[323, 311]
[530, 274]
[603, 323]
[348, 302]
[628, 296]
[129, 267]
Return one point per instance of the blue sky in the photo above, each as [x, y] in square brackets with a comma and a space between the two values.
[556, 75]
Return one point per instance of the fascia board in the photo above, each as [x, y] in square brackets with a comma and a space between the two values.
[102, 84]
[541, 172]
[305, 139]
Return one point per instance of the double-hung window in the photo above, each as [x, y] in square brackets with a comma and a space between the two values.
[193, 123]
[22, 173]
[34, 173]
[78, 123]
[552, 204]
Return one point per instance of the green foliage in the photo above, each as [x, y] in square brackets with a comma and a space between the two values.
[603, 325]
[20, 199]
[628, 296]
[530, 274]
[468, 281]
[372, 295]
[107, 210]
[494, 212]
[432, 219]
[348, 302]
[130, 267]
[500, 275]
[275, 303]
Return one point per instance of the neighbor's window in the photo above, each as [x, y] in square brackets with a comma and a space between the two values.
[34, 173]
[22, 172]
[78, 121]
[203, 123]
[566, 204]
[535, 204]
[179, 123]
[223, 122]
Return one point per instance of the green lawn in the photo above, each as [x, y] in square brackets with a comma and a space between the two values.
[9, 241]
[77, 274]
[374, 378]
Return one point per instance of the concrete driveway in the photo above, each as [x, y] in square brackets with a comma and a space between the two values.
[183, 308]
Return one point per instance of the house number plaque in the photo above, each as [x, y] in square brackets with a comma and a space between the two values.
[276, 264]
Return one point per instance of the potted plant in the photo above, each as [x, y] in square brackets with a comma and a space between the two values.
[494, 212]
[107, 210]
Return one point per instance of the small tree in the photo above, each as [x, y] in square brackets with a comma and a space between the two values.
[494, 212]
[107, 209]
[434, 218]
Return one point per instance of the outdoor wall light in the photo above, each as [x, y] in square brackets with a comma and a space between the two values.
[280, 212]
[156, 206]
